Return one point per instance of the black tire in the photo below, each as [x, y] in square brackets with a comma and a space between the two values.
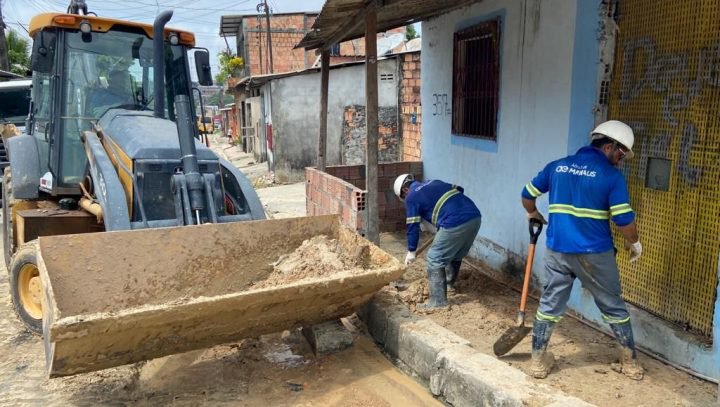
[25, 287]
[8, 201]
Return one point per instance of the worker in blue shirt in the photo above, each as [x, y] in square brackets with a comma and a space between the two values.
[457, 220]
[586, 190]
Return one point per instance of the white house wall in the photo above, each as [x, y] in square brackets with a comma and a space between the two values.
[296, 110]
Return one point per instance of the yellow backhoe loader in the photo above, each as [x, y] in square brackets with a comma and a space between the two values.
[125, 237]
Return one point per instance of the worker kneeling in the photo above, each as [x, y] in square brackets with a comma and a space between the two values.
[585, 192]
[457, 220]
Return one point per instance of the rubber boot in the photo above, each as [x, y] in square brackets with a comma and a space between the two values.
[628, 364]
[542, 359]
[438, 293]
[452, 275]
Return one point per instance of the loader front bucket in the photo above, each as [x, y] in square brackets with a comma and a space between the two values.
[115, 298]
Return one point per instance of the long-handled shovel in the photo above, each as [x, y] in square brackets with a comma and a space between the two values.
[515, 334]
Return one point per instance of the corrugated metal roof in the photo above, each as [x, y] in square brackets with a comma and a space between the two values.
[343, 20]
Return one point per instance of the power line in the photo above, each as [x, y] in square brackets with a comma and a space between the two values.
[186, 8]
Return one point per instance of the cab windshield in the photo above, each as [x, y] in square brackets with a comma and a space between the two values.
[111, 70]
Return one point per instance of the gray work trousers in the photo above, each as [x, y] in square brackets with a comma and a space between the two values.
[597, 272]
[452, 244]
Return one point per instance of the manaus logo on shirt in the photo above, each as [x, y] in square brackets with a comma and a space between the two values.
[574, 169]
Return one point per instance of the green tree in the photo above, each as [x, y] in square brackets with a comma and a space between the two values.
[410, 33]
[18, 53]
[230, 65]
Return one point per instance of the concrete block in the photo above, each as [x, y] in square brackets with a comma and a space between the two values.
[383, 316]
[454, 370]
[328, 337]
[465, 377]
[420, 343]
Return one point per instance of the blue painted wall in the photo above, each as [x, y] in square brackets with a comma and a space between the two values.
[549, 67]
[535, 89]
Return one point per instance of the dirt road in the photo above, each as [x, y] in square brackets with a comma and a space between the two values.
[275, 370]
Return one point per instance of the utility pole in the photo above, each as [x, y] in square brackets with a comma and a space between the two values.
[4, 63]
[269, 38]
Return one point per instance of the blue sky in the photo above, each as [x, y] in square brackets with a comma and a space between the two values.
[199, 16]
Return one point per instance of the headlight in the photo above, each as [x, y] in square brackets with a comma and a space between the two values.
[85, 27]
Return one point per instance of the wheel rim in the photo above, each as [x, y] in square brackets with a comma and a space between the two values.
[30, 289]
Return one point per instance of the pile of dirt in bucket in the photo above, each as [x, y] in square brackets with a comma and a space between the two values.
[319, 256]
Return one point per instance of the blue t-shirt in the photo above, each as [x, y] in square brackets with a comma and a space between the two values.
[585, 192]
[442, 204]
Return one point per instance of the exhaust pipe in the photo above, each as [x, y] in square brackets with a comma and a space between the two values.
[159, 61]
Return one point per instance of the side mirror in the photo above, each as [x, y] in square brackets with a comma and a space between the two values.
[43, 53]
[202, 66]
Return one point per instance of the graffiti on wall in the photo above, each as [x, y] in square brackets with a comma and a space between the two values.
[678, 79]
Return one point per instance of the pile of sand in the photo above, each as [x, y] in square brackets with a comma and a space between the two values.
[319, 256]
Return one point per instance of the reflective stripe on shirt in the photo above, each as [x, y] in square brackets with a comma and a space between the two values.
[534, 192]
[441, 202]
[414, 219]
[579, 212]
[620, 209]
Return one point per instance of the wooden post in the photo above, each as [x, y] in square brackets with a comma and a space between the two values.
[324, 79]
[371, 117]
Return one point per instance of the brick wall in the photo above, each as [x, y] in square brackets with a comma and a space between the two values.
[286, 31]
[410, 106]
[351, 48]
[341, 190]
[354, 135]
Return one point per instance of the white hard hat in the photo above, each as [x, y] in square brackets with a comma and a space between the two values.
[618, 131]
[399, 182]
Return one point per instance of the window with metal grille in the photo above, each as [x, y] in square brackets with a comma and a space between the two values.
[476, 77]
[335, 50]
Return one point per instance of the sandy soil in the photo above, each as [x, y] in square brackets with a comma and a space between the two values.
[483, 309]
[316, 257]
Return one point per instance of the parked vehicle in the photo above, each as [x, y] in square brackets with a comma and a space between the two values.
[15, 102]
[14, 108]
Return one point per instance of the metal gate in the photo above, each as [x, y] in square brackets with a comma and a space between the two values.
[666, 85]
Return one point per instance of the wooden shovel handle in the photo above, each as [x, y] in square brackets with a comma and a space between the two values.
[526, 281]
[424, 246]
[535, 227]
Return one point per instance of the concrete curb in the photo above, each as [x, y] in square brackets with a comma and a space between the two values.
[454, 370]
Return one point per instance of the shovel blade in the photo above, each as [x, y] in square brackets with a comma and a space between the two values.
[510, 339]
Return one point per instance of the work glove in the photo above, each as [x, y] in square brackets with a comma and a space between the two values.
[409, 258]
[635, 251]
[537, 216]
[426, 226]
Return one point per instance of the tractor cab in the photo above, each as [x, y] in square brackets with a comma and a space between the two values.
[83, 66]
